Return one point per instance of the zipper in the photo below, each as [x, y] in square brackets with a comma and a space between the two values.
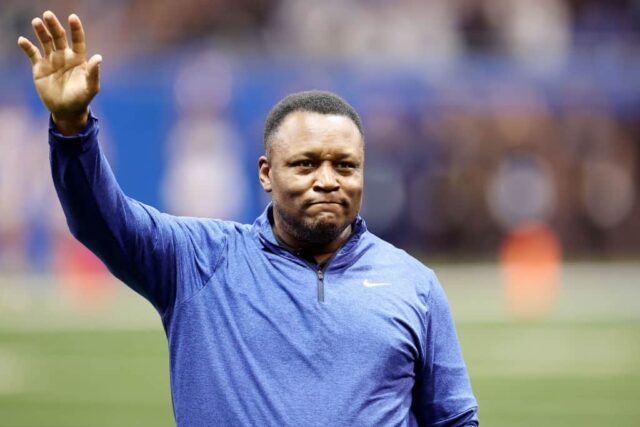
[318, 270]
[320, 274]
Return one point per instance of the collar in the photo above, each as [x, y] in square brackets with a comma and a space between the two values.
[347, 254]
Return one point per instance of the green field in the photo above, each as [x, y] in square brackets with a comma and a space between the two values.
[63, 365]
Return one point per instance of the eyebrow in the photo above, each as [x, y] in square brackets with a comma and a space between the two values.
[315, 155]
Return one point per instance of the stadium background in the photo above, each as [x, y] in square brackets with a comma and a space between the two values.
[502, 149]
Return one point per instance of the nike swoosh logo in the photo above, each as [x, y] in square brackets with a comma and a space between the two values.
[368, 284]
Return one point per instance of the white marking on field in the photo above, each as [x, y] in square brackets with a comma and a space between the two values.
[558, 351]
[12, 374]
[38, 304]
[590, 291]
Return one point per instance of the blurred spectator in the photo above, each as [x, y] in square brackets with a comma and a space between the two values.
[14, 182]
[372, 30]
[204, 167]
[537, 33]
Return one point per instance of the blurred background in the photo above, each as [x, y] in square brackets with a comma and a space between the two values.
[502, 149]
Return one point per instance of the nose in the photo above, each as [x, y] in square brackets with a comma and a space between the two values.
[326, 179]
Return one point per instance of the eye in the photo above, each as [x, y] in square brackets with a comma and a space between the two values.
[303, 164]
[346, 165]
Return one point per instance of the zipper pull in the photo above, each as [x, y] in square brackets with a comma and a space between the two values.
[320, 274]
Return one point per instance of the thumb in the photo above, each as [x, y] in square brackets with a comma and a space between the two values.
[93, 73]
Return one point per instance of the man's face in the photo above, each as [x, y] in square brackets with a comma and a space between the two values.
[315, 175]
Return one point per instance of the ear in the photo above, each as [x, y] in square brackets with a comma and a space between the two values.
[264, 168]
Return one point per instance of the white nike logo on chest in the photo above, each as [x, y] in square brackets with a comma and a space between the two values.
[368, 284]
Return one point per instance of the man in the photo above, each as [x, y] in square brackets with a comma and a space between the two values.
[303, 318]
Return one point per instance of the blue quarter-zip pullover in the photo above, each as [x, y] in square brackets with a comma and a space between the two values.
[257, 335]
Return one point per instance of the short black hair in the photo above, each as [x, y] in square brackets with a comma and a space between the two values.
[315, 101]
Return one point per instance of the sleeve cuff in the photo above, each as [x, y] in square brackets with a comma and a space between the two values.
[75, 143]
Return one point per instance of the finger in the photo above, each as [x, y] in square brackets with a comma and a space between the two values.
[32, 52]
[77, 34]
[93, 73]
[56, 29]
[43, 35]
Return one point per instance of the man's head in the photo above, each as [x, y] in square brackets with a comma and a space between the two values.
[313, 167]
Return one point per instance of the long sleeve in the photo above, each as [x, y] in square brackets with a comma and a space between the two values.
[442, 394]
[162, 257]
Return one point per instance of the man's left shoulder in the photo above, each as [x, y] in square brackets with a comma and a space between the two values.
[387, 256]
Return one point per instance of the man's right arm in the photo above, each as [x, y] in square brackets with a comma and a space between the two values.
[136, 242]
[163, 258]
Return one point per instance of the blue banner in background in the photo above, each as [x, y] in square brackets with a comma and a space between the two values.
[184, 135]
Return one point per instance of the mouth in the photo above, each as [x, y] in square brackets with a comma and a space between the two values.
[326, 203]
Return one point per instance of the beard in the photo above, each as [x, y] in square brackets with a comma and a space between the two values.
[317, 232]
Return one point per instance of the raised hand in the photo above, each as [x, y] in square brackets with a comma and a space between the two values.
[65, 80]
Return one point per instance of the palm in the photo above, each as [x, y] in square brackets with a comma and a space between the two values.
[64, 79]
[61, 81]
